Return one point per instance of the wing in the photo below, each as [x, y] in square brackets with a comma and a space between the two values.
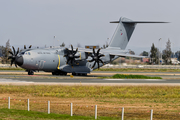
[127, 55]
[113, 52]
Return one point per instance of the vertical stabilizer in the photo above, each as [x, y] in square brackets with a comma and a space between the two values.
[122, 34]
[124, 31]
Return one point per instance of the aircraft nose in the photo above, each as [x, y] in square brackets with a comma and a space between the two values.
[19, 60]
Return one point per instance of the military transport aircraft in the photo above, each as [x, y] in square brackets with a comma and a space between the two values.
[61, 61]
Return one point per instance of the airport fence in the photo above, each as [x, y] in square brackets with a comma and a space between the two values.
[83, 109]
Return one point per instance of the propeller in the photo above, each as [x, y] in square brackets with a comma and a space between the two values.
[96, 57]
[29, 46]
[71, 56]
[13, 57]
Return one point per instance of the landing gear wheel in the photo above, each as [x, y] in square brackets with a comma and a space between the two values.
[84, 74]
[79, 74]
[55, 73]
[30, 72]
[64, 73]
[59, 73]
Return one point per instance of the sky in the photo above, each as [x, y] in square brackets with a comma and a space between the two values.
[86, 22]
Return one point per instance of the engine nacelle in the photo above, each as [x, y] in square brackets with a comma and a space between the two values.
[82, 56]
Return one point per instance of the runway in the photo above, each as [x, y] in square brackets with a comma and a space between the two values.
[74, 80]
[93, 78]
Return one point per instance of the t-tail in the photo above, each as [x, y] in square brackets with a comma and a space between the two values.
[123, 32]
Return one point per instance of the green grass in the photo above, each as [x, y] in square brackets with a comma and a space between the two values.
[10, 68]
[158, 98]
[32, 115]
[119, 92]
[132, 77]
[137, 70]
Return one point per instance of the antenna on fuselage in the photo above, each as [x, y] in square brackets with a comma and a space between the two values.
[54, 41]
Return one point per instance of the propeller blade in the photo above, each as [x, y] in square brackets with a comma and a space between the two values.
[17, 52]
[67, 61]
[94, 64]
[98, 64]
[12, 62]
[94, 51]
[16, 65]
[75, 51]
[24, 46]
[30, 46]
[91, 60]
[72, 48]
[71, 62]
[98, 51]
[10, 57]
[101, 55]
[10, 52]
[14, 50]
[101, 61]
[68, 51]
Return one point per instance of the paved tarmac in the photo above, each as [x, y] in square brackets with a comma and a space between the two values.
[79, 80]
[42, 77]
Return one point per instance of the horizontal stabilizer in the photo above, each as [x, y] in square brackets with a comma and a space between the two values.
[138, 22]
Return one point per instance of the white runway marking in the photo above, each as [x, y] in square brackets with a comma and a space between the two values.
[135, 79]
[11, 80]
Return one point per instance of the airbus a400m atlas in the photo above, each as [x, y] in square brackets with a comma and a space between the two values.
[61, 61]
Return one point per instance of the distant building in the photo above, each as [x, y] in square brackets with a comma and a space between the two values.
[174, 61]
[145, 60]
[91, 47]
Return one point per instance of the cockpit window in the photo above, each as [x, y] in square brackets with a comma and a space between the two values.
[26, 53]
[22, 53]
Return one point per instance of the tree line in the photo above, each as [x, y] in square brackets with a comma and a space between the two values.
[4, 52]
[157, 57]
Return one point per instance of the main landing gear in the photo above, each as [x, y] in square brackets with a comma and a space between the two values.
[59, 73]
[79, 74]
[30, 72]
